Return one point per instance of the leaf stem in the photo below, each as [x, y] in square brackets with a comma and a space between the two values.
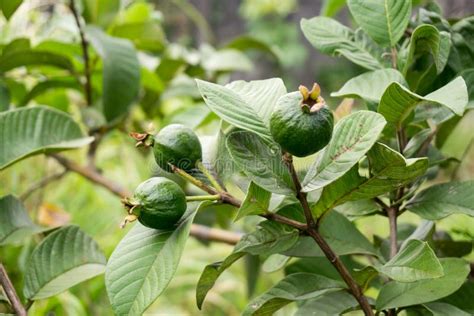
[392, 213]
[227, 198]
[10, 291]
[42, 183]
[209, 176]
[313, 231]
[214, 197]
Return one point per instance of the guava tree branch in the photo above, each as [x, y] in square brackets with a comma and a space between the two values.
[10, 292]
[229, 199]
[313, 231]
[85, 53]
[198, 231]
[42, 183]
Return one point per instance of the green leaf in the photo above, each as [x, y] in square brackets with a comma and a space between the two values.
[63, 259]
[333, 38]
[416, 261]
[397, 294]
[100, 12]
[442, 309]
[245, 43]
[353, 136]
[332, 7]
[260, 162]
[5, 96]
[30, 131]
[46, 85]
[269, 238]
[247, 105]
[385, 21]
[344, 240]
[34, 58]
[9, 7]
[261, 95]
[227, 60]
[146, 35]
[274, 263]
[389, 171]
[256, 202]
[370, 86]
[15, 224]
[462, 298]
[329, 304]
[441, 200]
[295, 287]
[121, 72]
[398, 102]
[427, 40]
[143, 264]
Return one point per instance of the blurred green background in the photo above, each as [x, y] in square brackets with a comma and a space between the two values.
[265, 41]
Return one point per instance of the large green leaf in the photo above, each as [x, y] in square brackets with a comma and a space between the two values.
[332, 7]
[269, 238]
[443, 309]
[427, 40]
[389, 171]
[9, 7]
[398, 102]
[341, 234]
[333, 38]
[34, 58]
[416, 261]
[100, 12]
[46, 85]
[397, 294]
[295, 287]
[121, 72]
[444, 199]
[329, 304]
[260, 162]
[384, 20]
[261, 95]
[353, 136]
[143, 264]
[63, 259]
[30, 131]
[256, 202]
[15, 224]
[247, 105]
[370, 85]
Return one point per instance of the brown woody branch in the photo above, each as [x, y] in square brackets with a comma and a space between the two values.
[10, 292]
[198, 231]
[42, 183]
[85, 53]
[313, 230]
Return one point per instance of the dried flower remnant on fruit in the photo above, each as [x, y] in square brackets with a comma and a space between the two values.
[312, 100]
[143, 139]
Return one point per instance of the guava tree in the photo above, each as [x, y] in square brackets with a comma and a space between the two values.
[307, 173]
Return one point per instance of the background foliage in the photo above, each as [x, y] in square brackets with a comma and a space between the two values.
[142, 58]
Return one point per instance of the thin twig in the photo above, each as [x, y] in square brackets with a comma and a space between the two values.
[85, 53]
[229, 199]
[193, 198]
[11, 292]
[42, 183]
[392, 213]
[209, 176]
[197, 230]
[394, 57]
[312, 230]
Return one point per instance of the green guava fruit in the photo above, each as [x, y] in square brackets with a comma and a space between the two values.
[301, 123]
[177, 145]
[158, 203]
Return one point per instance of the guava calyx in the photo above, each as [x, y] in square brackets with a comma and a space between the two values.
[312, 100]
[143, 139]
